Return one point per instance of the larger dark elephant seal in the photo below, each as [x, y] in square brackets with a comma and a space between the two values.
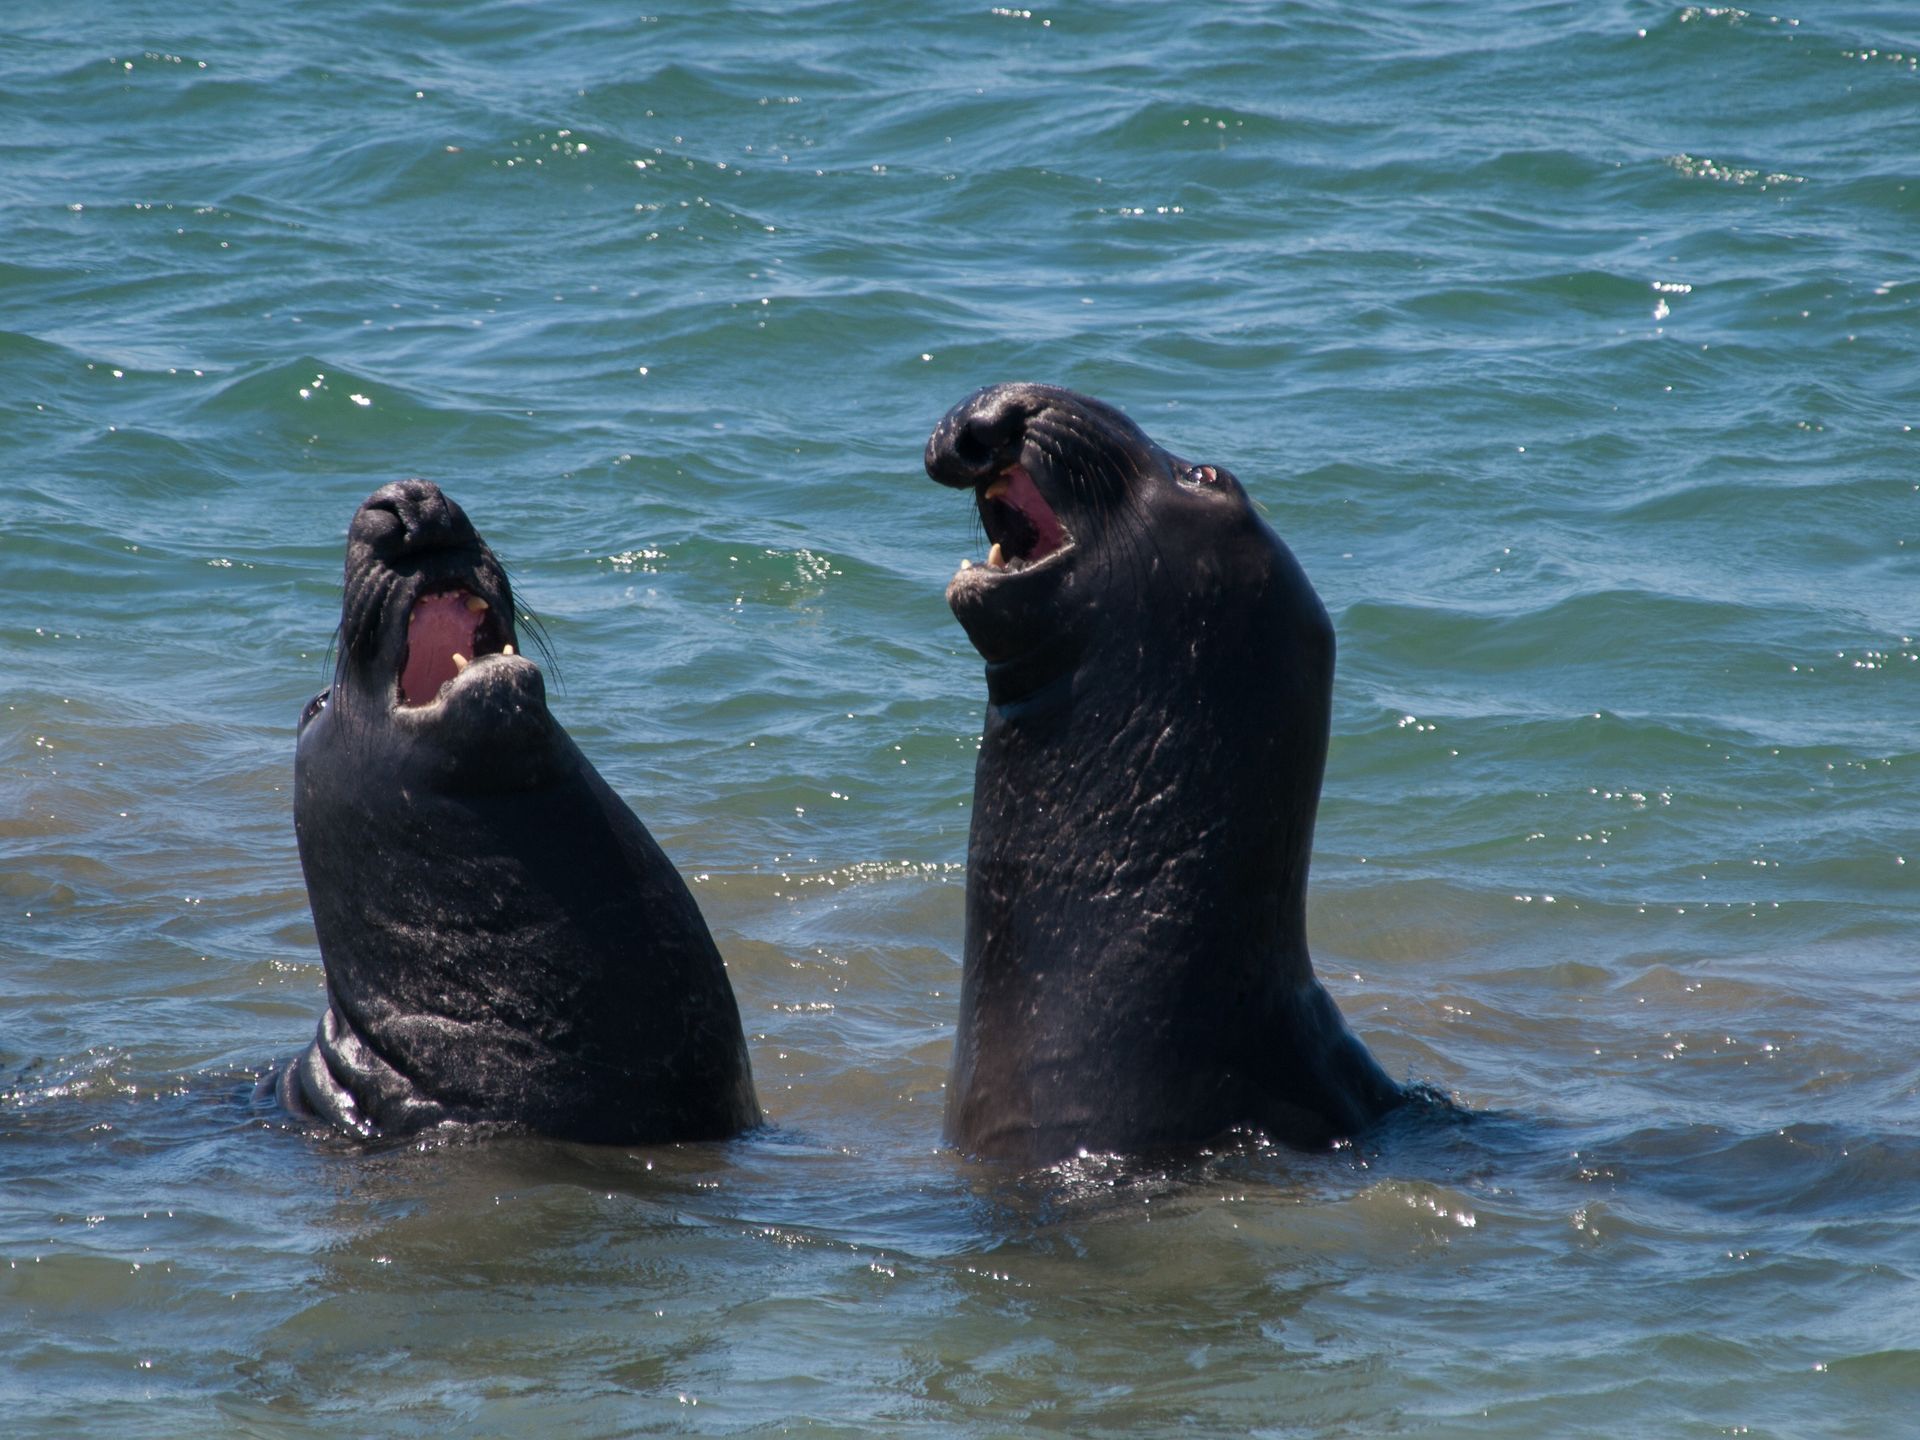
[503, 940]
[1159, 679]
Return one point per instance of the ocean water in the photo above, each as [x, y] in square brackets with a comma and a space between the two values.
[1575, 350]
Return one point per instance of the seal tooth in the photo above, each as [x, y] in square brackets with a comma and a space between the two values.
[965, 563]
[476, 604]
[995, 558]
[506, 650]
[996, 489]
[460, 662]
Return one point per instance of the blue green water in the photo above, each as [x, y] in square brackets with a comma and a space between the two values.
[1574, 349]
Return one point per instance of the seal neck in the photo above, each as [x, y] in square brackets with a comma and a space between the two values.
[1177, 753]
[1037, 678]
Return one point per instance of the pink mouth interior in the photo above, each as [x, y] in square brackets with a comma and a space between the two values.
[1023, 495]
[439, 626]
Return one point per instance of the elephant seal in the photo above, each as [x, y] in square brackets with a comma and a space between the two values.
[1159, 682]
[503, 939]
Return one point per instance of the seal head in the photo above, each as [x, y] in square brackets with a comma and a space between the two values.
[1159, 686]
[503, 939]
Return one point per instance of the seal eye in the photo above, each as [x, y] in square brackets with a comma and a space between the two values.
[1204, 475]
[314, 707]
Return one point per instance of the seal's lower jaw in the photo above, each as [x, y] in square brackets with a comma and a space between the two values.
[1014, 609]
[486, 693]
[446, 632]
[1000, 569]
[1003, 601]
[1025, 534]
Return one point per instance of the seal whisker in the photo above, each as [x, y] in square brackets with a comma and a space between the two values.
[329, 659]
[525, 617]
[549, 661]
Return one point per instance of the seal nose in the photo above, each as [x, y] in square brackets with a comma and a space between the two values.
[409, 517]
[980, 437]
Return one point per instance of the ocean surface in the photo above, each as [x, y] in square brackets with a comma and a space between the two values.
[1574, 349]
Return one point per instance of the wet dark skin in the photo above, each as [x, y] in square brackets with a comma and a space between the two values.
[1159, 681]
[503, 940]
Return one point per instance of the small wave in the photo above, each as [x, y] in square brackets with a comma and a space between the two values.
[1702, 167]
[310, 396]
[1640, 626]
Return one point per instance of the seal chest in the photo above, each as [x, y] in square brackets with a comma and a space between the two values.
[1159, 682]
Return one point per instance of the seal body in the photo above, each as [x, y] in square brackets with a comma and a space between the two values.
[1159, 683]
[503, 939]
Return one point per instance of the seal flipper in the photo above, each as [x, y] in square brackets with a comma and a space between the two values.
[1317, 1054]
[339, 1079]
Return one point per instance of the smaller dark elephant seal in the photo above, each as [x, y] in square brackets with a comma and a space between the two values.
[503, 939]
[1159, 684]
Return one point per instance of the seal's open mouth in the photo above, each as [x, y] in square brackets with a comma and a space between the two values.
[1020, 524]
[447, 631]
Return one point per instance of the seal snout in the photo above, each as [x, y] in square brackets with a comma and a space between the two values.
[980, 437]
[410, 517]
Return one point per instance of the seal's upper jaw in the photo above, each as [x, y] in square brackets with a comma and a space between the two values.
[447, 630]
[1021, 526]
[407, 519]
